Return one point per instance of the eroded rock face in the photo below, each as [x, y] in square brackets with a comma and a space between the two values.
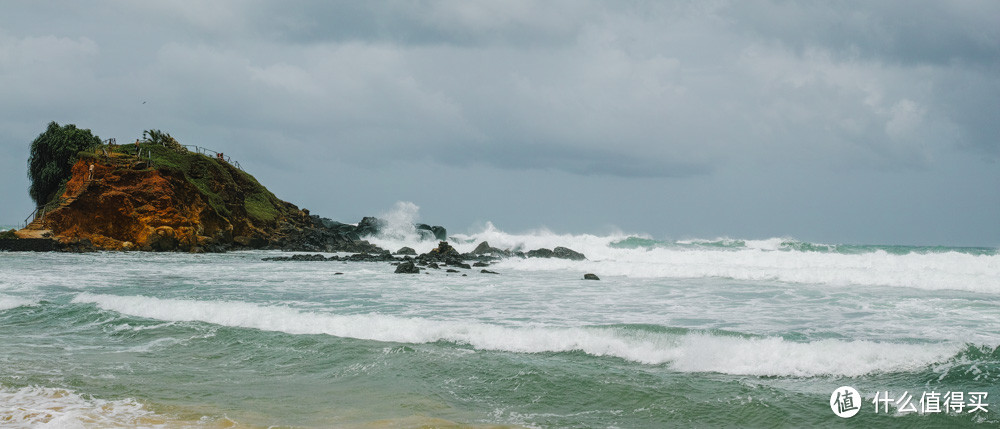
[144, 209]
[129, 208]
[191, 202]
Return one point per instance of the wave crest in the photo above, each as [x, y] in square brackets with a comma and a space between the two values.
[679, 350]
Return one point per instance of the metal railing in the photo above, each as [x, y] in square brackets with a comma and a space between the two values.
[216, 155]
[39, 212]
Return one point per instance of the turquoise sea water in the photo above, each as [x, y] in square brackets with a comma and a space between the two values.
[692, 333]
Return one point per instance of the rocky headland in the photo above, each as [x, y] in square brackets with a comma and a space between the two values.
[173, 199]
[166, 198]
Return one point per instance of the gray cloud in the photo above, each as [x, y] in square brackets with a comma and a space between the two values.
[630, 90]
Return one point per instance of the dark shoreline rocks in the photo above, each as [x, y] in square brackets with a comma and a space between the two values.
[406, 251]
[443, 254]
[558, 252]
[29, 245]
[407, 268]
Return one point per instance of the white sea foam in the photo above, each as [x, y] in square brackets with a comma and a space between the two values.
[399, 222]
[9, 302]
[692, 352]
[754, 260]
[938, 271]
[43, 407]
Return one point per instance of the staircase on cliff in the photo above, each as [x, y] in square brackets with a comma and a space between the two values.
[38, 224]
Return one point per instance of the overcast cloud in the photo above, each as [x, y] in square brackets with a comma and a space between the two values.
[847, 121]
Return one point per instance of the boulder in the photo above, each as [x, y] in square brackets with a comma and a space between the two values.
[304, 257]
[407, 268]
[485, 248]
[444, 250]
[163, 239]
[406, 251]
[558, 252]
[539, 253]
[565, 253]
[439, 232]
[369, 226]
[488, 272]
[589, 276]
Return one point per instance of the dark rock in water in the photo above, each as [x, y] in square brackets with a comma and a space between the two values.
[428, 232]
[451, 271]
[484, 248]
[539, 253]
[338, 274]
[489, 272]
[79, 246]
[316, 257]
[425, 234]
[445, 249]
[460, 265]
[28, 245]
[407, 268]
[368, 257]
[439, 232]
[590, 277]
[565, 253]
[406, 251]
[434, 266]
[299, 257]
[558, 252]
[369, 226]
[480, 264]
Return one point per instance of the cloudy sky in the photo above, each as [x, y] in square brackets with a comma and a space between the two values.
[845, 121]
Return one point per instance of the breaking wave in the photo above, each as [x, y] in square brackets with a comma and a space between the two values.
[679, 349]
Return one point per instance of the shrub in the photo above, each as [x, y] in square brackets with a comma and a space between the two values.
[52, 156]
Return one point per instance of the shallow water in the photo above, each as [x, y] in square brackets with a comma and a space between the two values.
[709, 332]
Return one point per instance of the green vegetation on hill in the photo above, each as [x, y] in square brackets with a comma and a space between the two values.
[228, 190]
[51, 159]
[225, 187]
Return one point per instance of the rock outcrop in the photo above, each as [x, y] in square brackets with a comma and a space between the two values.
[183, 201]
[407, 268]
[558, 252]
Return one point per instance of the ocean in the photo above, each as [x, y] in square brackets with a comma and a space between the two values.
[677, 333]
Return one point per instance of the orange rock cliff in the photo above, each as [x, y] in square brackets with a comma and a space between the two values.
[184, 201]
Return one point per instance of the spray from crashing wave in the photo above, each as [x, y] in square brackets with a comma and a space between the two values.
[399, 223]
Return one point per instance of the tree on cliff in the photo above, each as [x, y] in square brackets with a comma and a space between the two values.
[52, 156]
